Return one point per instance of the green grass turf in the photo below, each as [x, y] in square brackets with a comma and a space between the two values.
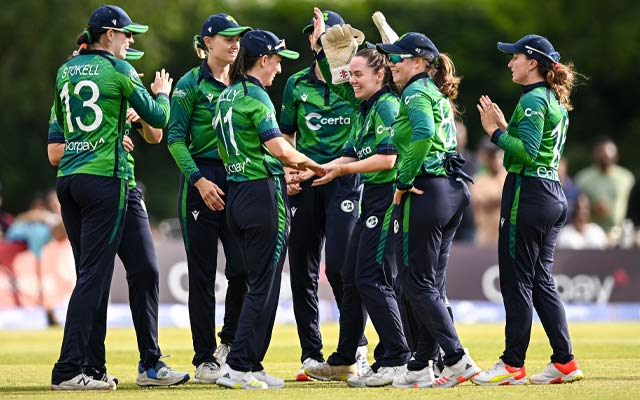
[609, 354]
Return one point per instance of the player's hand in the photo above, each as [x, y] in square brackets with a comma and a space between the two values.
[491, 116]
[309, 164]
[397, 197]
[162, 83]
[127, 143]
[293, 189]
[319, 28]
[132, 115]
[210, 193]
[332, 172]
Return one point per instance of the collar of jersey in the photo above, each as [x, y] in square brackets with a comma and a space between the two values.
[254, 80]
[366, 105]
[528, 88]
[416, 77]
[312, 77]
[99, 52]
[207, 74]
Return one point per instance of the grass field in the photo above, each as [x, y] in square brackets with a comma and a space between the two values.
[609, 354]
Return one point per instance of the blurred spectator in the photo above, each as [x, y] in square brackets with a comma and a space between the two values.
[486, 193]
[581, 233]
[467, 229]
[6, 219]
[607, 185]
[569, 188]
[36, 227]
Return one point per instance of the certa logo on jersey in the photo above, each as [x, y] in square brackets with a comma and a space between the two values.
[316, 121]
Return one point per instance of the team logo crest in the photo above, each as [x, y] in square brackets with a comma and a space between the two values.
[347, 206]
[371, 222]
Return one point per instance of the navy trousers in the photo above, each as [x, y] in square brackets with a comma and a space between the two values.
[428, 225]
[368, 278]
[532, 213]
[317, 213]
[138, 255]
[201, 229]
[258, 216]
[93, 209]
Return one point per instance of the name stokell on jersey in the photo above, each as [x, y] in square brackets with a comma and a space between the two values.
[90, 107]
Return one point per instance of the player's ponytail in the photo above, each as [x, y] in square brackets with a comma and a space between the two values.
[443, 73]
[87, 37]
[241, 65]
[199, 47]
[561, 78]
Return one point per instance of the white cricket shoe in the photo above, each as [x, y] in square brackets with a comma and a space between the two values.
[558, 373]
[160, 375]
[359, 381]
[271, 381]
[453, 375]
[362, 363]
[307, 363]
[385, 376]
[221, 353]
[423, 378]
[501, 374]
[233, 379]
[82, 382]
[207, 372]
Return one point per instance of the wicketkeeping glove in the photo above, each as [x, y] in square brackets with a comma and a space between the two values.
[387, 34]
[340, 44]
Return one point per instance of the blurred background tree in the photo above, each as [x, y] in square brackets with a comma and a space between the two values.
[601, 38]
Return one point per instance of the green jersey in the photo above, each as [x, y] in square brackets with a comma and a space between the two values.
[535, 136]
[93, 91]
[424, 131]
[319, 116]
[371, 123]
[56, 135]
[190, 135]
[245, 119]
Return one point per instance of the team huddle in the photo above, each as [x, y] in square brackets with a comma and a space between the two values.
[361, 161]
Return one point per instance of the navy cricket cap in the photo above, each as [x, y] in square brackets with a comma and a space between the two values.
[331, 18]
[259, 43]
[534, 46]
[412, 43]
[222, 24]
[113, 17]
